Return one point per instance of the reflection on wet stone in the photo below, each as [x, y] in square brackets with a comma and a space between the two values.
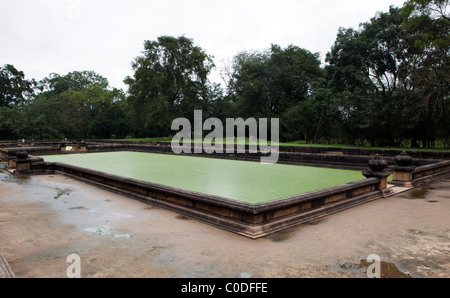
[387, 270]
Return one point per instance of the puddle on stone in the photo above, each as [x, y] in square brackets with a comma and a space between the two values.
[123, 236]
[102, 231]
[77, 208]
[10, 178]
[417, 232]
[287, 234]
[245, 275]
[420, 193]
[182, 217]
[62, 192]
[387, 270]
[279, 236]
[105, 231]
[315, 222]
[199, 270]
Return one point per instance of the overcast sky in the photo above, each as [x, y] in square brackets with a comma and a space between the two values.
[44, 36]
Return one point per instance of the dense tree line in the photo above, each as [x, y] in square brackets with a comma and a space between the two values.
[76, 105]
[385, 83]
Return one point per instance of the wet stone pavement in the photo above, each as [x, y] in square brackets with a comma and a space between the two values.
[44, 219]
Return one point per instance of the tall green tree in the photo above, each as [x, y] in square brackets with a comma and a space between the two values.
[427, 24]
[392, 75]
[277, 83]
[387, 60]
[366, 68]
[14, 88]
[347, 78]
[76, 81]
[170, 80]
[113, 121]
[40, 120]
[68, 104]
[15, 92]
[13, 123]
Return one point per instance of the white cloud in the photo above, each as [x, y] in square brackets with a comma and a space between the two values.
[45, 36]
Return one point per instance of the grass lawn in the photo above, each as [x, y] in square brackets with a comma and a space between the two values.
[439, 146]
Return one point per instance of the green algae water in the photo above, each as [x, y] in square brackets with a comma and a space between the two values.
[245, 181]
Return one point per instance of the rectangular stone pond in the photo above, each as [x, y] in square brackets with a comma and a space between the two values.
[244, 181]
[245, 197]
